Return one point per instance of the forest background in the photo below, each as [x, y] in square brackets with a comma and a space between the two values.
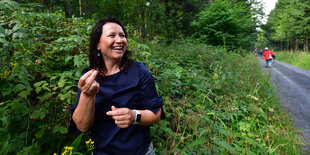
[215, 96]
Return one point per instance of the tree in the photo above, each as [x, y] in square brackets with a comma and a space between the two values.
[226, 23]
[290, 23]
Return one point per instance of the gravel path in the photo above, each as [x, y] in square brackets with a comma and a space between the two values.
[293, 87]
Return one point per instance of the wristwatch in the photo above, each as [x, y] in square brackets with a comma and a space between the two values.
[138, 117]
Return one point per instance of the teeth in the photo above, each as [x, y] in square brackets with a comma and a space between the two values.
[118, 48]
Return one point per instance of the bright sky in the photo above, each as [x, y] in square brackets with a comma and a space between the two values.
[268, 6]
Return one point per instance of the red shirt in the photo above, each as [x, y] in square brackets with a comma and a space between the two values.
[267, 54]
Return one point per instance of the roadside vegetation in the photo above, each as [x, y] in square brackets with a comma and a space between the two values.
[216, 99]
[299, 59]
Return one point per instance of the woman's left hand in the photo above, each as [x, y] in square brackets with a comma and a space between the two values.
[123, 117]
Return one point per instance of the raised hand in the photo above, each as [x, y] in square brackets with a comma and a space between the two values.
[87, 83]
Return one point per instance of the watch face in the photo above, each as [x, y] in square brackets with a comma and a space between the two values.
[138, 118]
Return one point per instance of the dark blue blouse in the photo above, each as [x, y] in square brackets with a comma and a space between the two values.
[134, 89]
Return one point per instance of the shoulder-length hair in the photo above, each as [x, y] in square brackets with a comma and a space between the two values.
[97, 62]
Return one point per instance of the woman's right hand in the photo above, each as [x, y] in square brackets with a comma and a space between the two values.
[87, 83]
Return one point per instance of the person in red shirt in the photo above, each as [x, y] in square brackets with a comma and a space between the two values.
[268, 57]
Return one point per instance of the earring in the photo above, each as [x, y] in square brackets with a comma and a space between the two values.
[98, 53]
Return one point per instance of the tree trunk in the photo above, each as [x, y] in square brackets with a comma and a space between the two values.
[68, 9]
[291, 45]
[281, 46]
[47, 3]
[80, 3]
[306, 43]
[296, 44]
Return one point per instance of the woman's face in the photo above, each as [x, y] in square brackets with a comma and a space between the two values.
[113, 42]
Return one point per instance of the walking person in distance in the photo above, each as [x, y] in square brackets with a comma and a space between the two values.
[268, 56]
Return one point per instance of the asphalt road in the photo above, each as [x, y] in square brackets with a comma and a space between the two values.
[293, 87]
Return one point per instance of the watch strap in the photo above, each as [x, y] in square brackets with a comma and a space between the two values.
[138, 117]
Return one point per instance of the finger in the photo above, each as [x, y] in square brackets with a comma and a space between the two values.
[97, 86]
[90, 79]
[122, 123]
[85, 76]
[123, 126]
[121, 117]
[94, 87]
[118, 111]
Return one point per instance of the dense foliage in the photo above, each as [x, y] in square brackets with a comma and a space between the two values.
[288, 25]
[226, 23]
[230, 23]
[215, 101]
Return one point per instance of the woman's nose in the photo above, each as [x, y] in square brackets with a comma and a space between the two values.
[118, 38]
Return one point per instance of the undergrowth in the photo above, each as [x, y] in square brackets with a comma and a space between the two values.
[299, 58]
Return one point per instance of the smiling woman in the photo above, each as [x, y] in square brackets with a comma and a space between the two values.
[112, 43]
[117, 99]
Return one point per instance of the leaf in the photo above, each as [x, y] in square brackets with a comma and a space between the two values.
[68, 58]
[197, 142]
[225, 145]
[38, 114]
[5, 87]
[19, 87]
[61, 83]
[203, 132]
[63, 130]
[24, 93]
[2, 40]
[20, 107]
[40, 133]
[2, 30]
[77, 142]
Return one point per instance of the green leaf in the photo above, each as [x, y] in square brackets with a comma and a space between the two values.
[77, 142]
[20, 107]
[46, 96]
[203, 132]
[19, 87]
[197, 142]
[61, 83]
[68, 58]
[24, 93]
[40, 133]
[63, 130]
[2, 40]
[225, 145]
[2, 30]
[38, 114]
[5, 87]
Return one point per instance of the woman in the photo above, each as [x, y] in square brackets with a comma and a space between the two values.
[268, 57]
[117, 99]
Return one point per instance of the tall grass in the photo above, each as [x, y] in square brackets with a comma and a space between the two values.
[217, 102]
[299, 59]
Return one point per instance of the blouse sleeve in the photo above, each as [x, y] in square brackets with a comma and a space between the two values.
[148, 94]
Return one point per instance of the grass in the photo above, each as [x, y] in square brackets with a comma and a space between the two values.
[299, 59]
[218, 102]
